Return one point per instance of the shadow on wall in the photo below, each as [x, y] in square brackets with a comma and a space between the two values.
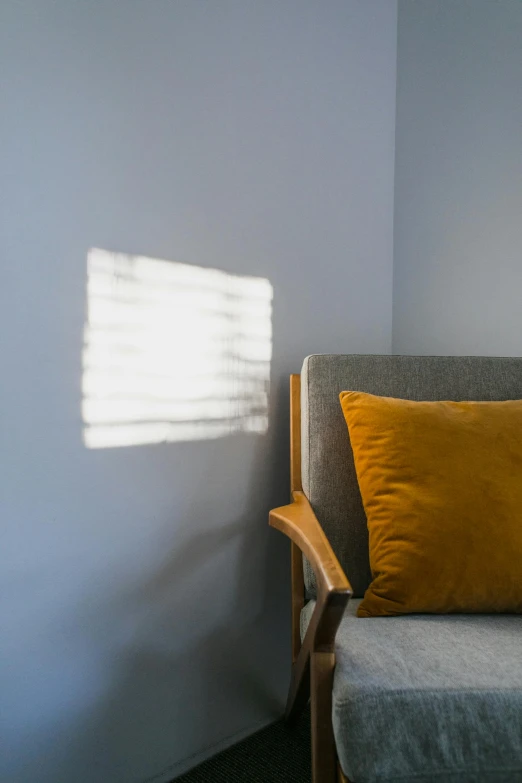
[172, 352]
[171, 683]
[189, 641]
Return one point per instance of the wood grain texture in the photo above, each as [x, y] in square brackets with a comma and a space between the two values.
[296, 558]
[319, 637]
[298, 597]
[299, 691]
[324, 756]
[299, 523]
[295, 433]
[314, 658]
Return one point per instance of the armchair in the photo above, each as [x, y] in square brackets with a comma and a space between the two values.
[411, 699]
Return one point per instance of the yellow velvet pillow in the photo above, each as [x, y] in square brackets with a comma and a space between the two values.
[441, 484]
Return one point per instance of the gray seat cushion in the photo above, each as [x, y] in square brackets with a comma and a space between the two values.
[327, 467]
[428, 698]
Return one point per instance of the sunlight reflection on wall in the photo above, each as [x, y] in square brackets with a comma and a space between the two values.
[172, 352]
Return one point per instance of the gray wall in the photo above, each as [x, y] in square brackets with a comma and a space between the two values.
[458, 179]
[145, 599]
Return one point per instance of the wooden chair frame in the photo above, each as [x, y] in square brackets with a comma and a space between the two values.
[313, 660]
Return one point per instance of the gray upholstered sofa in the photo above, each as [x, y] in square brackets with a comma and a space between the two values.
[411, 699]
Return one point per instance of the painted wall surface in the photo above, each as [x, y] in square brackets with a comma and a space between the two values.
[144, 600]
[458, 180]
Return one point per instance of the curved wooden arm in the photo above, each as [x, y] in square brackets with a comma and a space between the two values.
[300, 524]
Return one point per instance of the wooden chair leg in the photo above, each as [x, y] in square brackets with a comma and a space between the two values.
[299, 692]
[324, 756]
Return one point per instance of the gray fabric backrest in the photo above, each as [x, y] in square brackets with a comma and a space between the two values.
[328, 472]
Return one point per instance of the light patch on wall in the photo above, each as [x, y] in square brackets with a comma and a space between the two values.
[172, 352]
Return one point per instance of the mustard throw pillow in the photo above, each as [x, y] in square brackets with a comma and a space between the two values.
[441, 484]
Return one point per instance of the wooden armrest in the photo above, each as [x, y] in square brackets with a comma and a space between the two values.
[300, 524]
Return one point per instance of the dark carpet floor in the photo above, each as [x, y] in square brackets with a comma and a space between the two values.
[278, 754]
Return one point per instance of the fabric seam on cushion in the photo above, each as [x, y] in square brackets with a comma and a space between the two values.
[402, 691]
[428, 775]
